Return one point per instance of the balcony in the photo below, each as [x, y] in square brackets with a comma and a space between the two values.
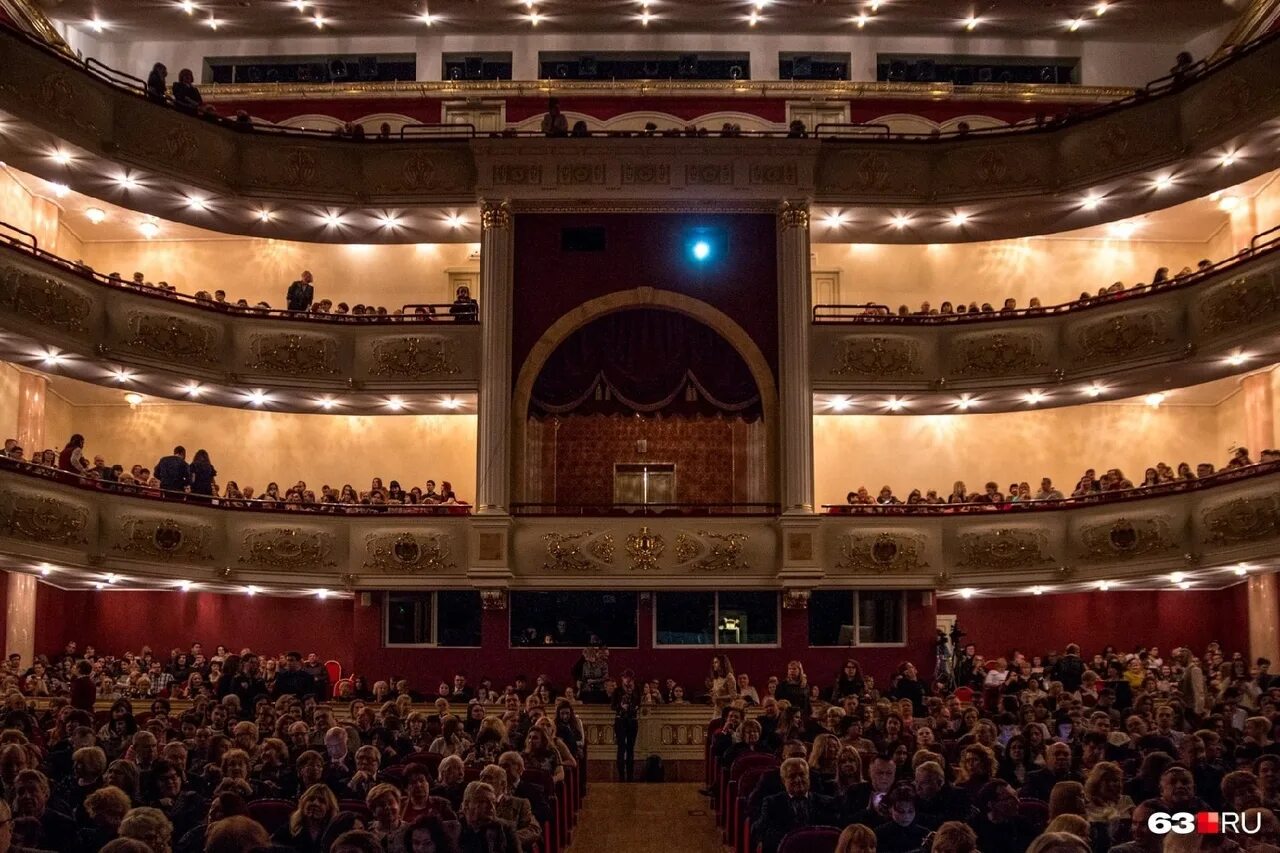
[84, 530]
[61, 318]
[53, 104]
[1217, 322]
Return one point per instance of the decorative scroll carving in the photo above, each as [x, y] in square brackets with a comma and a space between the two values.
[1240, 302]
[493, 599]
[301, 168]
[577, 174]
[998, 354]
[408, 552]
[288, 549]
[708, 174]
[46, 301]
[414, 357]
[878, 357]
[645, 547]
[506, 174]
[882, 553]
[793, 216]
[176, 144]
[577, 552]
[45, 520]
[772, 174]
[795, 599]
[294, 355]
[418, 172]
[1242, 520]
[712, 552]
[1122, 336]
[495, 216]
[165, 539]
[1126, 539]
[55, 95]
[646, 174]
[170, 337]
[1006, 548]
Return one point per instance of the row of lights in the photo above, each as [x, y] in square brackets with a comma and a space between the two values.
[1177, 579]
[112, 579]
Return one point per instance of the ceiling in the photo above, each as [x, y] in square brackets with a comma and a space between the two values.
[1123, 19]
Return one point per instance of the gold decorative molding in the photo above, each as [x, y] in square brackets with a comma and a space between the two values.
[577, 552]
[44, 300]
[1123, 336]
[711, 552]
[170, 337]
[408, 553]
[497, 216]
[796, 599]
[877, 357]
[493, 599]
[882, 553]
[1240, 302]
[1003, 549]
[294, 355]
[288, 549]
[44, 520]
[793, 215]
[1242, 520]
[414, 356]
[165, 539]
[998, 354]
[1126, 539]
[645, 547]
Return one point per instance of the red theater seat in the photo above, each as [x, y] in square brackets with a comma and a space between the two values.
[272, 814]
[811, 839]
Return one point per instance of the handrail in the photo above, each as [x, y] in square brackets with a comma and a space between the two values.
[1219, 478]
[1155, 88]
[851, 126]
[444, 128]
[829, 314]
[646, 510]
[92, 484]
[35, 242]
[113, 76]
[436, 312]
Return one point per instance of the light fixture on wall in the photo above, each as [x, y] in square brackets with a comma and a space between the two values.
[96, 215]
[134, 399]
[148, 228]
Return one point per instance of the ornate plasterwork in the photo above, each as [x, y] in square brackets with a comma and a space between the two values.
[169, 337]
[289, 549]
[410, 553]
[711, 552]
[644, 548]
[999, 354]
[877, 357]
[44, 300]
[1126, 539]
[1123, 336]
[793, 215]
[1240, 302]
[493, 599]
[496, 215]
[1003, 549]
[42, 519]
[294, 355]
[882, 553]
[795, 599]
[414, 357]
[1242, 520]
[164, 539]
[577, 552]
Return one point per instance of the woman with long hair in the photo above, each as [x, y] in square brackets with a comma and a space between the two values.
[306, 827]
[203, 474]
[849, 682]
[721, 683]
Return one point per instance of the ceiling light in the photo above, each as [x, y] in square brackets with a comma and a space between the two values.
[1228, 203]
[148, 228]
[1241, 570]
[1100, 9]
[256, 398]
[1227, 159]
[300, 5]
[98, 25]
[45, 569]
[966, 593]
[753, 18]
[1095, 390]
[133, 399]
[332, 220]
[395, 404]
[875, 5]
[840, 404]
[861, 20]
[265, 215]
[451, 403]
[250, 590]
[1177, 577]
[427, 18]
[1122, 230]
[1104, 585]
[1034, 397]
[319, 21]
[96, 215]
[971, 22]
[127, 182]
[1091, 201]
[194, 389]
[111, 578]
[455, 220]
[1074, 24]
[900, 221]
[1037, 590]
[53, 357]
[326, 403]
[389, 221]
[964, 403]
[1185, 585]
[535, 18]
[97, 584]
[62, 158]
[212, 22]
[322, 594]
[60, 190]
[895, 405]
[646, 16]
[188, 7]
[1163, 182]
[834, 219]
[957, 219]
[185, 586]
[122, 374]
[1237, 358]
[197, 203]
[1153, 400]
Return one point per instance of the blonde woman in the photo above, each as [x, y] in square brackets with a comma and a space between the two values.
[954, 837]
[309, 821]
[1104, 796]
[149, 826]
[722, 684]
[795, 687]
[824, 757]
[856, 838]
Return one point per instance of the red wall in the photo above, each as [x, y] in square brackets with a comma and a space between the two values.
[1035, 624]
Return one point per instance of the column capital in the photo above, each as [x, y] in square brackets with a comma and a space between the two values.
[793, 215]
[495, 215]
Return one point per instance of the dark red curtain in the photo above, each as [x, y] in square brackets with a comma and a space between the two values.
[645, 361]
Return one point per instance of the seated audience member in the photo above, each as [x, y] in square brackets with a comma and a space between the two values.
[515, 810]
[796, 806]
[481, 830]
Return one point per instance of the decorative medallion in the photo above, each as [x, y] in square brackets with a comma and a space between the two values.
[45, 300]
[998, 355]
[288, 549]
[871, 172]
[877, 357]
[578, 174]
[493, 599]
[408, 553]
[649, 174]
[711, 552]
[577, 552]
[1126, 539]
[418, 172]
[1242, 520]
[293, 355]
[772, 174]
[1240, 302]
[170, 337]
[645, 548]
[176, 145]
[301, 168]
[44, 520]
[1006, 548]
[414, 357]
[795, 599]
[881, 553]
[516, 175]
[1122, 336]
[165, 538]
[708, 174]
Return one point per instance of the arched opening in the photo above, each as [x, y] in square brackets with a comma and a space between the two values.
[644, 408]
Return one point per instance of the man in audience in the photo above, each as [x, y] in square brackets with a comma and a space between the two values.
[173, 472]
[482, 831]
[301, 293]
[796, 806]
[1057, 769]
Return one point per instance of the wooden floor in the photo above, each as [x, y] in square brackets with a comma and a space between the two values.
[624, 818]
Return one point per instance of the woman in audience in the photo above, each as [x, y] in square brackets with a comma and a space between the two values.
[203, 474]
[384, 803]
[451, 773]
[306, 827]
[856, 838]
[452, 740]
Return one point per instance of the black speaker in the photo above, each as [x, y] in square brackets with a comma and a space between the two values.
[688, 66]
[337, 69]
[474, 66]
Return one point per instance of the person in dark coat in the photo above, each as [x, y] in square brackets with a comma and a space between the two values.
[173, 472]
[481, 830]
[202, 474]
[301, 293]
[794, 808]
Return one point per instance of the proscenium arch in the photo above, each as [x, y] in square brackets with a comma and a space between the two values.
[624, 300]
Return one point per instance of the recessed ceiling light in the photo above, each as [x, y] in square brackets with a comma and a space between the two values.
[900, 221]
[197, 203]
[963, 403]
[265, 214]
[332, 220]
[300, 5]
[1037, 590]
[1100, 9]
[127, 181]
[971, 22]
[96, 215]
[212, 23]
[966, 593]
[840, 404]
[1075, 24]
[1184, 585]
[1163, 182]
[60, 190]
[1122, 230]
[319, 21]
[895, 405]
[1154, 400]
[451, 403]
[389, 220]
[148, 228]
[1242, 569]
[256, 398]
[62, 158]
[194, 389]
[122, 374]
[535, 18]
[1227, 159]
[861, 20]
[958, 218]
[834, 219]
[1238, 358]
[1104, 585]
[876, 4]
[646, 16]
[326, 403]
[456, 221]
[99, 25]
[427, 18]
[185, 586]
[1228, 203]
[395, 404]
[53, 357]
[188, 7]
[322, 593]
[1095, 390]
[133, 399]
[1091, 201]
[250, 590]
[1034, 397]
[753, 18]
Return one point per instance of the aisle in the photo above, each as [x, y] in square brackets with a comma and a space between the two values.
[668, 817]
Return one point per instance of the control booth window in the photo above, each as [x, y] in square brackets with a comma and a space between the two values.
[857, 618]
[445, 618]
[716, 619]
[573, 618]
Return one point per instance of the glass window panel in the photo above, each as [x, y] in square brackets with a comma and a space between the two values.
[408, 618]
[830, 610]
[570, 618]
[748, 619]
[458, 615]
[880, 617]
[685, 618]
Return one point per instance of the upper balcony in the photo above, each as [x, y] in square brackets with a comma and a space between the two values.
[1217, 321]
[1180, 140]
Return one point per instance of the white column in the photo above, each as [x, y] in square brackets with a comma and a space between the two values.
[1264, 618]
[20, 617]
[493, 444]
[796, 396]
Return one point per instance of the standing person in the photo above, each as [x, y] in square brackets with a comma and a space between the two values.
[554, 123]
[72, 456]
[626, 724]
[301, 293]
[202, 474]
[157, 81]
[464, 308]
[173, 472]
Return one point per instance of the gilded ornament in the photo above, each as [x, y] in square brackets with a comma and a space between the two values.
[877, 357]
[1242, 301]
[795, 599]
[998, 354]
[45, 300]
[791, 216]
[1006, 548]
[173, 338]
[165, 539]
[772, 174]
[711, 552]
[414, 357]
[1126, 539]
[645, 547]
[177, 144]
[44, 520]
[1122, 336]
[418, 172]
[577, 552]
[493, 599]
[293, 355]
[301, 168]
[495, 215]
[882, 553]
[407, 552]
[1242, 520]
[288, 549]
